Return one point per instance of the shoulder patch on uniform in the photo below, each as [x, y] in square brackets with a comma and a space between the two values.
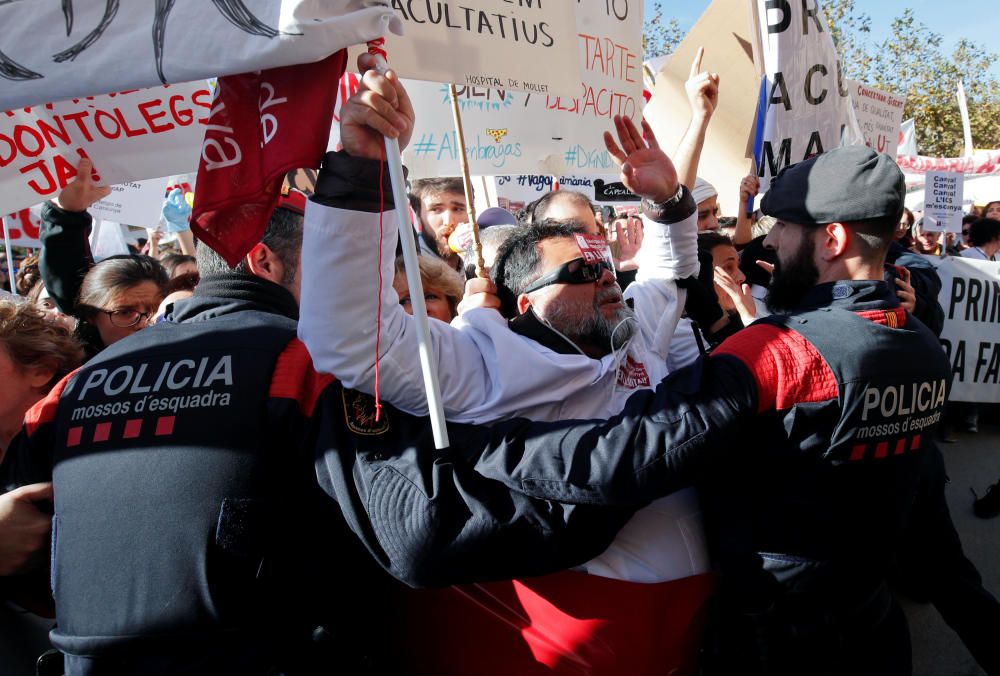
[295, 378]
[360, 414]
[788, 369]
[894, 318]
[45, 410]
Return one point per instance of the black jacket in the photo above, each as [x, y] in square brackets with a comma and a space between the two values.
[65, 256]
[926, 285]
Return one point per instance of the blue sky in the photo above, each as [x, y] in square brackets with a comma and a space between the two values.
[973, 19]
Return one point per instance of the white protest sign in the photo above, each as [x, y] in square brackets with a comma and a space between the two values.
[970, 297]
[23, 226]
[943, 201]
[514, 192]
[130, 136]
[54, 51]
[880, 116]
[809, 108]
[524, 45]
[136, 203]
[508, 131]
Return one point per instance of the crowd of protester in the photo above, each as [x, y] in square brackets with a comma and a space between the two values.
[680, 282]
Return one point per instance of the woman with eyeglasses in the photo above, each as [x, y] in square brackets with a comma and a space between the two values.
[118, 297]
[110, 300]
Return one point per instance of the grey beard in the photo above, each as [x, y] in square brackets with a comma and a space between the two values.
[594, 330]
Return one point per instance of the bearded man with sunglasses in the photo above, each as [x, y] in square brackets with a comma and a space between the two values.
[568, 344]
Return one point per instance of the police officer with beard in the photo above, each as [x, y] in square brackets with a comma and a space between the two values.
[810, 435]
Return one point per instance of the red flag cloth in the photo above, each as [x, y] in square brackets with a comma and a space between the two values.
[262, 126]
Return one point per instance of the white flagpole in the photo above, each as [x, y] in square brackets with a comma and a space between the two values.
[435, 407]
[963, 107]
[10, 257]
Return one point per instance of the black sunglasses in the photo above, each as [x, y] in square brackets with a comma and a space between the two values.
[576, 271]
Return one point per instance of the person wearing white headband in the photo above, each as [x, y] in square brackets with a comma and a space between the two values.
[707, 197]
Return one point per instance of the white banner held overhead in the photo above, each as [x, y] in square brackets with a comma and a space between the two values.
[522, 45]
[880, 116]
[970, 297]
[129, 136]
[809, 108]
[943, 201]
[508, 131]
[136, 203]
[53, 51]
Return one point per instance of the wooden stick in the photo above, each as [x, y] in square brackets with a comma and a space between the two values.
[470, 205]
[486, 191]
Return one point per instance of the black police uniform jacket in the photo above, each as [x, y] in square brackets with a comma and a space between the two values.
[810, 437]
[194, 531]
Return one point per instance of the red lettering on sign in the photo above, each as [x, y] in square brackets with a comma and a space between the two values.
[151, 117]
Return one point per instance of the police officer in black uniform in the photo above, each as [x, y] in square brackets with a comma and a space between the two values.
[810, 434]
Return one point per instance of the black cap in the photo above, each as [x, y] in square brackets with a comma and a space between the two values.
[853, 183]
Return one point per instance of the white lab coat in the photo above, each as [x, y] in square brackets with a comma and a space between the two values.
[488, 373]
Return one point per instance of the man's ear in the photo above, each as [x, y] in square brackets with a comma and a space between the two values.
[837, 237]
[265, 264]
[523, 303]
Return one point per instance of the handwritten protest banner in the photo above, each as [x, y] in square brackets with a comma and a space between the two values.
[135, 203]
[131, 135]
[880, 116]
[943, 201]
[23, 226]
[514, 192]
[809, 107]
[982, 162]
[522, 45]
[55, 51]
[511, 131]
[970, 297]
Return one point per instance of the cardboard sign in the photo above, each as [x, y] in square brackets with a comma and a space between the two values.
[971, 326]
[23, 226]
[723, 30]
[508, 131]
[135, 203]
[880, 116]
[521, 45]
[54, 51]
[943, 201]
[130, 136]
[808, 104]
